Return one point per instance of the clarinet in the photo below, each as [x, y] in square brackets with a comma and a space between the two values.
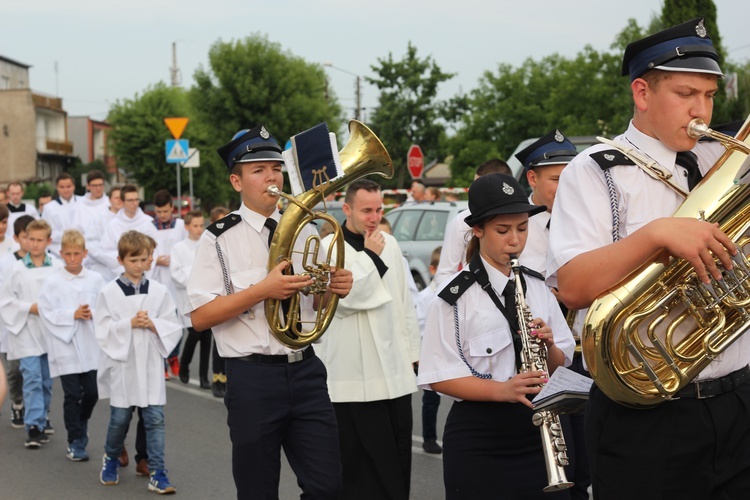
[534, 357]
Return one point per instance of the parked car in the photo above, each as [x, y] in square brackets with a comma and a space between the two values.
[332, 208]
[419, 229]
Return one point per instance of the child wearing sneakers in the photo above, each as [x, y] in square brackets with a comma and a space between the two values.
[13, 366]
[136, 325]
[26, 340]
[66, 305]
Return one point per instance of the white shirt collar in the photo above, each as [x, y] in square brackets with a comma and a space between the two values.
[70, 276]
[651, 146]
[256, 220]
[497, 278]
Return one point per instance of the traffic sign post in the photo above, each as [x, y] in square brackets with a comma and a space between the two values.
[415, 161]
[177, 150]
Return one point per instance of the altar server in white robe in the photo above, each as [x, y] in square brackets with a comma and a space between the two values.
[136, 325]
[66, 305]
[60, 212]
[129, 218]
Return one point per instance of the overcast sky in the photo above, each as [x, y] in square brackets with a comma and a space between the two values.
[107, 50]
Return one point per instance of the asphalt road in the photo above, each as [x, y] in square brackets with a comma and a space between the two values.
[198, 454]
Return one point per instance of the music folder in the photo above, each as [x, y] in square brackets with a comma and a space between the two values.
[565, 392]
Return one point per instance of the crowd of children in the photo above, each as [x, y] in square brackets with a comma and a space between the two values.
[111, 337]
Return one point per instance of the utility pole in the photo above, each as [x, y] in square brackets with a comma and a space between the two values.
[359, 99]
[174, 71]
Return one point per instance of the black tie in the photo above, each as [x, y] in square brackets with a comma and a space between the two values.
[509, 294]
[271, 225]
[689, 161]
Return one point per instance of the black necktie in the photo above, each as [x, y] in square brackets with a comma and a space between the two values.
[271, 225]
[689, 161]
[509, 294]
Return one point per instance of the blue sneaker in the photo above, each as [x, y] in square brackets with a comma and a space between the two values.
[77, 451]
[109, 476]
[159, 483]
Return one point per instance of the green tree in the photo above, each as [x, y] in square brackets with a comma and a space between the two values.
[408, 110]
[139, 132]
[254, 81]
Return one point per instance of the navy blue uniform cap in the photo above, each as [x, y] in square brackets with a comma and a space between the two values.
[685, 47]
[495, 194]
[250, 146]
[552, 149]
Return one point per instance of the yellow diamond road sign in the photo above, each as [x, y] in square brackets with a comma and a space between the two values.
[176, 126]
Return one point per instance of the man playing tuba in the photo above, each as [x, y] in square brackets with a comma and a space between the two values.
[610, 217]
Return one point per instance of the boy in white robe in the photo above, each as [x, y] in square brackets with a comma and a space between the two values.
[66, 305]
[169, 231]
[26, 340]
[181, 264]
[136, 326]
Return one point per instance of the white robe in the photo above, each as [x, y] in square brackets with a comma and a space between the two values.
[181, 264]
[71, 343]
[166, 239]
[20, 291]
[131, 368]
[373, 340]
[120, 224]
[6, 264]
[94, 233]
[61, 216]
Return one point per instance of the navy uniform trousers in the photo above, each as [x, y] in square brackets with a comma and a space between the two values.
[679, 450]
[274, 406]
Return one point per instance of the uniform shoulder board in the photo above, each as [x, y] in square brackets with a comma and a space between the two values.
[453, 290]
[221, 225]
[526, 271]
[611, 158]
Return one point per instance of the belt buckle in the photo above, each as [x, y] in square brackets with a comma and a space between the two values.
[699, 394]
[294, 357]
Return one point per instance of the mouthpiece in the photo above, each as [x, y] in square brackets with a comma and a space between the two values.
[273, 190]
[697, 128]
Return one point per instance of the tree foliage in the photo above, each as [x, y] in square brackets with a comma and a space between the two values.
[408, 110]
[139, 133]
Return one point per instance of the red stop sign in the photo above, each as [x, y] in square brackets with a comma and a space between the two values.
[415, 161]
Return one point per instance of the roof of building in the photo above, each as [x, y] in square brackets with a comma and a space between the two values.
[12, 61]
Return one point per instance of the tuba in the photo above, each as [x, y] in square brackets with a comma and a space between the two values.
[534, 357]
[362, 155]
[649, 336]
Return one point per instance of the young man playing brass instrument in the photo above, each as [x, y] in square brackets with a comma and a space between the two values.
[610, 217]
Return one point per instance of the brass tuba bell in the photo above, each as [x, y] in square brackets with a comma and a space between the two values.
[649, 336]
[362, 155]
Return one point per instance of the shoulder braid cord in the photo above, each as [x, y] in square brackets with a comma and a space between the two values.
[485, 376]
[613, 205]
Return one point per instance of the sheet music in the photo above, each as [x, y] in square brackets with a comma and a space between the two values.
[564, 380]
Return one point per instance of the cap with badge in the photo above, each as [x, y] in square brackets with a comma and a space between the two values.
[495, 194]
[685, 47]
[252, 145]
[552, 149]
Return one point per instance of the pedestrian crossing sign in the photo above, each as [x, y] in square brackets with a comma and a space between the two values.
[177, 150]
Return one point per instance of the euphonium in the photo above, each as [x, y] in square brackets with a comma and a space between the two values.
[362, 155]
[534, 357]
[650, 335]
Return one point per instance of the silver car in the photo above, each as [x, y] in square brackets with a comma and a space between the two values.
[419, 229]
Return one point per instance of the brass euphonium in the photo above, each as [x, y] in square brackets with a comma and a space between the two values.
[650, 335]
[534, 357]
[362, 155]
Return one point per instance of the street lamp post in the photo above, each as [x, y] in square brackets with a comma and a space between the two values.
[358, 88]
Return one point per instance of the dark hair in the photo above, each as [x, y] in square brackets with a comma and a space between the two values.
[19, 226]
[62, 177]
[93, 175]
[162, 198]
[116, 187]
[366, 184]
[127, 188]
[4, 212]
[435, 257]
[493, 166]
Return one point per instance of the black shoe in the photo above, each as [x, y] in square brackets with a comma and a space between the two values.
[34, 438]
[16, 416]
[184, 374]
[217, 389]
[205, 384]
[48, 429]
[431, 446]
